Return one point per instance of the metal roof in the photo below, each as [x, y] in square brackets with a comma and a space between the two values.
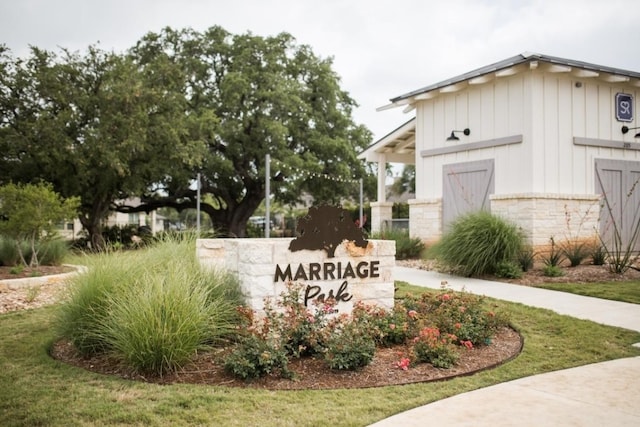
[516, 60]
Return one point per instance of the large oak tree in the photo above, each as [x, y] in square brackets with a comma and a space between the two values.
[107, 126]
[94, 125]
[263, 95]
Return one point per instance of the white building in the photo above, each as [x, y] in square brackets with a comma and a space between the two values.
[550, 143]
[155, 222]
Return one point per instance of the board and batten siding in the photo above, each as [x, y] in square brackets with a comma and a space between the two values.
[548, 110]
[490, 110]
[569, 108]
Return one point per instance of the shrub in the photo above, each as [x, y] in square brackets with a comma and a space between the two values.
[300, 329]
[349, 342]
[120, 236]
[349, 347]
[464, 315]
[508, 270]
[406, 247]
[552, 271]
[477, 242]
[432, 347]
[387, 328]
[8, 251]
[53, 251]
[254, 357]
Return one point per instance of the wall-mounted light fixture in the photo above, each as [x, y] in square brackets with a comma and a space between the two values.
[453, 136]
[626, 129]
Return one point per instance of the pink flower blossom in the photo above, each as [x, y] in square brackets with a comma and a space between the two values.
[446, 297]
[403, 363]
[467, 344]
[412, 314]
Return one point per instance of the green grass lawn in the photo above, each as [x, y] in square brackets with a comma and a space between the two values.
[37, 390]
[617, 291]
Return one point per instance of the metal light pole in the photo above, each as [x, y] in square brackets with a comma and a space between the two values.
[267, 193]
[361, 200]
[198, 206]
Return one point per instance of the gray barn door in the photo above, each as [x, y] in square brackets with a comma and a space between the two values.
[618, 182]
[466, 188]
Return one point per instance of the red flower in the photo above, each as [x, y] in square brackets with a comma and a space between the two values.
[467, 344]
[403, 363]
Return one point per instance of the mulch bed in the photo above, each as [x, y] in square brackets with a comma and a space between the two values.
[312, 373]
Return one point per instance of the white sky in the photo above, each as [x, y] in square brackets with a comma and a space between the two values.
[381, 49]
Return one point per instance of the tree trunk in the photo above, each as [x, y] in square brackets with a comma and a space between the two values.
[91, 220]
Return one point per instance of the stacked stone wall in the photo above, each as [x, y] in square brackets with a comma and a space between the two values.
[261, 265]
[569, 219]
[425, 220]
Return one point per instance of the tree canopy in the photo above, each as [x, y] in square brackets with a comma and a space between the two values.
[268, 96]
[93, 126]
[107, 126]
[29, 212]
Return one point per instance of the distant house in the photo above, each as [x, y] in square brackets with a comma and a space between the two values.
[155, 222]
[550, 143]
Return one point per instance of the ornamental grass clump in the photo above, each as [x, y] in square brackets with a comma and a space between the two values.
[152, 309]
[477, 243]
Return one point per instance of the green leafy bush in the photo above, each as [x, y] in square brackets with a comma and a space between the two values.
[8, 251]
[254, 357]
[465, 316]
[350, 347]
[552, 271]
[53, 251]
[508, 270]
[349, 341]
[388, 328]
[160, 321]
[476, 243]
[406, 247]
[432, 347]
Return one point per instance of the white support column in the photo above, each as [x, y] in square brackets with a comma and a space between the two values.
[380, 213]
[382, 178]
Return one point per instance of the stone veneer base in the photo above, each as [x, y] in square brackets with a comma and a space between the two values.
[254, 263]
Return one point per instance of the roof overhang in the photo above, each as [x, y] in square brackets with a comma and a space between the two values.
[511, 66]
[399, 146]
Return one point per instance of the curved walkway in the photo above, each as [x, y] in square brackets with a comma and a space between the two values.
[600, 394]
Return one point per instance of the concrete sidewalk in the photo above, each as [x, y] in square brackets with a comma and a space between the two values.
[601, 394]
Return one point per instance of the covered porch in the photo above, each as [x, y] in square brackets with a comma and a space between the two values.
[399, 146]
